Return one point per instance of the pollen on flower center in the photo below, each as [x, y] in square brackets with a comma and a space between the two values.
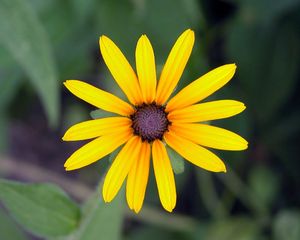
[150, 121]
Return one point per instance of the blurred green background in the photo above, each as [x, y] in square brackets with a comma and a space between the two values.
[43, 43]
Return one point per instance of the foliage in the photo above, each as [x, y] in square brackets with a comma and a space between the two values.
[43, 209]
[43, 43]
[25, 38]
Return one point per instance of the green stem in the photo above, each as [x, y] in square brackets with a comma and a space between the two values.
[232, 181]
[209, 195]
[175, 222]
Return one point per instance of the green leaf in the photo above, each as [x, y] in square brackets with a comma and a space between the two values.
[69, 30]
[4, 123]
[176, 160]
[9, 85]
[209, 196]
[23, 36]
[287, 225]
[9, 79]
[264, 65]
[8, 88]
[99, 113]
[101, 219]
[283, 70]
[9, 229]
[83, 8]
[43, 209]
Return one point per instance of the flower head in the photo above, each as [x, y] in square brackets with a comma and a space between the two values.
[149, 121]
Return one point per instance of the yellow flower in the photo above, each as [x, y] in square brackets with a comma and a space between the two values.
[150, 121]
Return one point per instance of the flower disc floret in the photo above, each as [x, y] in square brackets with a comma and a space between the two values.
[150, 122]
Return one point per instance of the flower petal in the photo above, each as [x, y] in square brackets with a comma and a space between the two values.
[210, 136]
[194, 153]
[207, 111]
[95, 128]
[120, 168]
[202, 87]
[138, 178]
[145, 66]
[96, 149]
[98, 97]
[121, 70]
[164, 176]
[174, 66]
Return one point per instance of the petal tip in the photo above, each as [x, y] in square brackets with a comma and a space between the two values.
[103, 37]
[143, 39]
[169, 205]
[242, 107]
[191, 34]
[68, 165]
[64, 138]
[246, 144]
[66, 83]
[169, 209]
[189, 30]
[229, 67]
[68, 168]
[102, 41]
[69, 83]
[136, 210]
[233, 66]
[104, 195]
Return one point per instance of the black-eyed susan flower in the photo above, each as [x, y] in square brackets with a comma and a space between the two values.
[150, 121]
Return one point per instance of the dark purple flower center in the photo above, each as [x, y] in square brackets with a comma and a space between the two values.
[149, 121]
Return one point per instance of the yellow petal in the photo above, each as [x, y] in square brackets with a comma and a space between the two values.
[120, 168]
[138, 178]
[202, 87]
[98, 97]
[121, 70]
[164, 176]
[207, 111]
[96, 149]
[145, 66]
[96, 128]
[194, 153]
[210, 136]
[174, 66]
